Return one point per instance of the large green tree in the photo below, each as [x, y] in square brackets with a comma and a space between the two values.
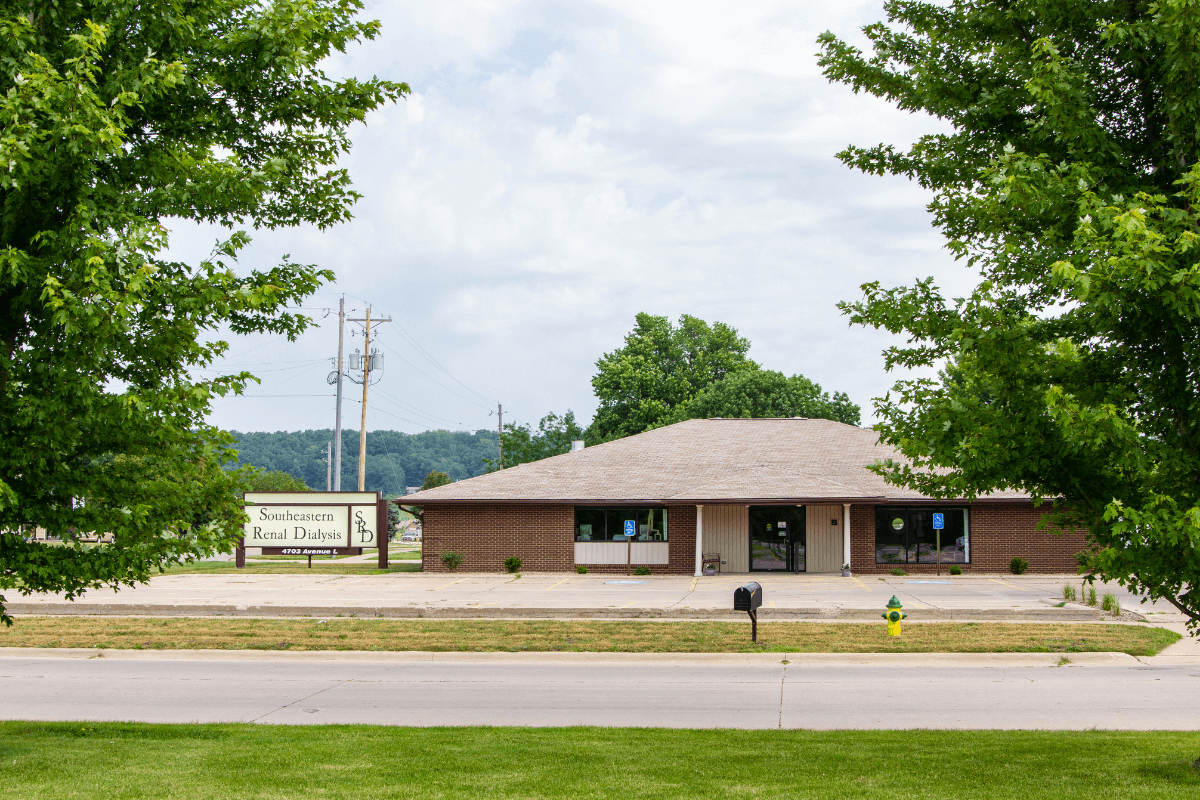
[115, 118]
[1066, 172]
[766, 393]
[660, 367]
[523, 444]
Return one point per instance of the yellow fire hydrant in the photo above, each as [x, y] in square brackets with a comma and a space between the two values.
[893, 616]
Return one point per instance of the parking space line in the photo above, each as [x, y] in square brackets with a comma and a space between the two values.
[1010, 585]
[692, 588]
[860, 583]
[631, 603]
[444, 585]
[772, 604]
[560, 583]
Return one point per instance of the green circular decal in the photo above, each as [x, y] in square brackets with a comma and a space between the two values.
[898, 523]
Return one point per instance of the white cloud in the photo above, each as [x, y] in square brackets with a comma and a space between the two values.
[563, 166]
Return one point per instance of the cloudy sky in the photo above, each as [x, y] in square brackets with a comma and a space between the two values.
[561, 166]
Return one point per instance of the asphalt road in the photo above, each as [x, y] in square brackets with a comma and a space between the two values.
[759, 691]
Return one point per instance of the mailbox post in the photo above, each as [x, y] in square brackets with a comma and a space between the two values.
[748, 598]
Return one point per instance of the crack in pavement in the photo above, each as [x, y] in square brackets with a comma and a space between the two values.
[782, 681]
[300, 700]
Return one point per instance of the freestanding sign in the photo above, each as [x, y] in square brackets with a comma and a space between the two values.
[939, 525]
[314, 523]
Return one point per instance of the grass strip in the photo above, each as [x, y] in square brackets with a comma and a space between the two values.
[44, 761]
[627, 636]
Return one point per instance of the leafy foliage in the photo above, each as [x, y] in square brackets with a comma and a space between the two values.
[661, 367]
[553, 437]
[1070, 178]
[114, 117]
[764, 393]
[435, 479]
[262, 480]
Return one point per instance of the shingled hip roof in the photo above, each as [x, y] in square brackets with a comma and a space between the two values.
[701, 461]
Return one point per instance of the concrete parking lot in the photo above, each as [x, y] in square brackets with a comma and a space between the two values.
[558, 595]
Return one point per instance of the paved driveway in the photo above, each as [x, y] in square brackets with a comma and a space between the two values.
[441, 594]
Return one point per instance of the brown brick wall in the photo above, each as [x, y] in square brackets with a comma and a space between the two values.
[999, 531]
[681, 533]
[542, 536]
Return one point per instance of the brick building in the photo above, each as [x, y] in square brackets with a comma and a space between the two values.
[747, 494]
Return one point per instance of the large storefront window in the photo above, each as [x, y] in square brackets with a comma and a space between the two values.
[906, 535]
[610, 524]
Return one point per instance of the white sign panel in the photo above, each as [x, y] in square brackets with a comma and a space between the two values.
[362, 527]
[315, 520]
[292, 526]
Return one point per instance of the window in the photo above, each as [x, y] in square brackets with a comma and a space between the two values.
[610, 524]
[905, 535]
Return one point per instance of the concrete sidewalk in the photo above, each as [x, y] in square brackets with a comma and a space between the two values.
[555, 595]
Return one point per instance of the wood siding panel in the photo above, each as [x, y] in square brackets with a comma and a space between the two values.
[824, 545]
[615, 553]
[727, 531]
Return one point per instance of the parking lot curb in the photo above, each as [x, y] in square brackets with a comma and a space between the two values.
[427, 612]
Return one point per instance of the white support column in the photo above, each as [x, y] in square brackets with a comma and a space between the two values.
[845, 533]
[699, 539]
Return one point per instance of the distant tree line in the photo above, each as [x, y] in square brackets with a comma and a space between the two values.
[394, 460]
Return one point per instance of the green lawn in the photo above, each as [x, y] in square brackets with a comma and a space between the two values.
[51, 761]
[629, 636]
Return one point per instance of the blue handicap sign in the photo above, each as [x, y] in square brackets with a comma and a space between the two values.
[939, 522]
[629, 529]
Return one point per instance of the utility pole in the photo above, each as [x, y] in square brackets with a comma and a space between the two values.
[500, 428]
[366, 366]
[328, 466]
[337, 429]
[362, 428]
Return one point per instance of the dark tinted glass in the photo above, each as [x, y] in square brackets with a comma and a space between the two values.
[922, 538]
[955, 548]
[652, 525]
[617, 519]
[905, 535]
[589, 525]
[891, 535]
[608, 524]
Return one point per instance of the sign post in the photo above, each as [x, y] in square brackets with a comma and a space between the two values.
[939, 522]
[630, 530]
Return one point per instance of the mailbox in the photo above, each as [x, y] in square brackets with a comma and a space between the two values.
[748, 597]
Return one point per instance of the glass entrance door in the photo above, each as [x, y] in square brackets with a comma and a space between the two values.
[777, 541]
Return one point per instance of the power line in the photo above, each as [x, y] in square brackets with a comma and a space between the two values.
[412, 340]
[416, 345]
[430, 378]
[413, 409]
[251, 367]
[383, 444]
[390, 414]
[286, 380]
